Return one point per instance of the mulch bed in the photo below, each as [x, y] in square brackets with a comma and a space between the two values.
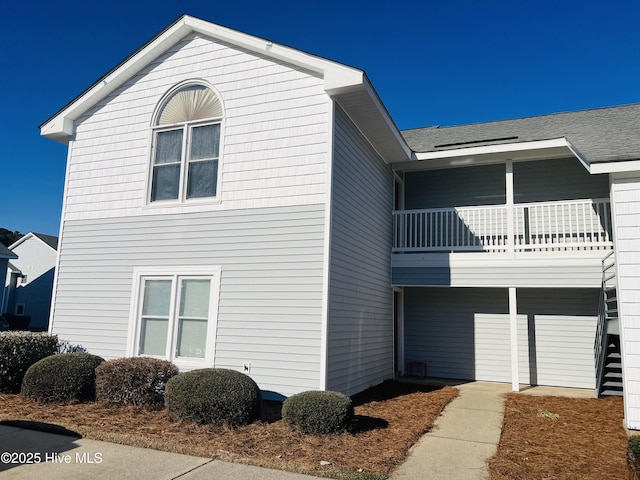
[556, 438]
[389, 419]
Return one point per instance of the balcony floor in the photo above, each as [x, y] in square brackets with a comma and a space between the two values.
[554, 269]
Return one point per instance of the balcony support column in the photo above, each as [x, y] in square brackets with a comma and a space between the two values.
[510, 206]
[513, 327]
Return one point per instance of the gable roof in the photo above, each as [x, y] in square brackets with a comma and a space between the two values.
[599, 135]
[49, 240]
[6, 253]
[349, 86]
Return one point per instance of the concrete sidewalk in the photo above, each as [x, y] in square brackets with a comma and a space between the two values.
[63, 457]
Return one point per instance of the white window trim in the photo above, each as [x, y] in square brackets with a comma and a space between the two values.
[133, 336]
[182, 200]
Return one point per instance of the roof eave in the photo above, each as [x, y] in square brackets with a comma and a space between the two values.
[486, 154]
[340, 82]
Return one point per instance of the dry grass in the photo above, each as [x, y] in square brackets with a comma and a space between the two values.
[389, 419]
[557, 438]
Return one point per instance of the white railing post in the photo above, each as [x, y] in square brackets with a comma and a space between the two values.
[510, 202]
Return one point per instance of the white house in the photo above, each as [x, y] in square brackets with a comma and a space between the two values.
[236, 203]
[5, 256]
[29, 282]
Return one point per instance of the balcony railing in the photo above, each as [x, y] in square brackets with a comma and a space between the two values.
[566, 225]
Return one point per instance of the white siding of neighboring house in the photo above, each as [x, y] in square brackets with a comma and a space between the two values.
[266, 232]
[36, 260]
[360, 329]
[625, 198]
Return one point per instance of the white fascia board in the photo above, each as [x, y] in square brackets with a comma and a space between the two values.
[21, 240]
[338, 77]
[615, 167]
[503, 148]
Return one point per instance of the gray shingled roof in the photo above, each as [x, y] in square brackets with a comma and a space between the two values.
[600, 135]
[6, 253]
[48, 239]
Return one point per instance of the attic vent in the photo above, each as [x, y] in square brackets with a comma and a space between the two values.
[194, 102]
[472, 142]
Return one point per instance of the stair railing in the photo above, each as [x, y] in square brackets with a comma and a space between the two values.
[600, 344]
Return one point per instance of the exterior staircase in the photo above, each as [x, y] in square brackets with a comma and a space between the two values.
[608, 359]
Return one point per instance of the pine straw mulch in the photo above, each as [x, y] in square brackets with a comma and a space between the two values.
[555, 438]
[389, 419]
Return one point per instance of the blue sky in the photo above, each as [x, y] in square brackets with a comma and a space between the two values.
[433, 63]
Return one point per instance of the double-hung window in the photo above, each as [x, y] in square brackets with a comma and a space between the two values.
[186, 146]
[176, 315]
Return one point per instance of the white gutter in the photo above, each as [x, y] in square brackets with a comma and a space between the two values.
[495, 149]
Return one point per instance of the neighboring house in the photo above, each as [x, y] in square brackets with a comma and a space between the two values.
[29, 283]
[234, 202]
[5, 256]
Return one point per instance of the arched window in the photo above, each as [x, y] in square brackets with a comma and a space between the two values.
[186, 145]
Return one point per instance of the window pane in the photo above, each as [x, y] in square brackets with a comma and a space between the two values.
[205, 142]
[153, 336]
[166, 182]
[192, 336]
[157, 297]
[203, 179]
[194, 298]
[168, 147]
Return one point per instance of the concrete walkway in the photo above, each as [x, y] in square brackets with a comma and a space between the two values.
[463, 438]
[456, 449]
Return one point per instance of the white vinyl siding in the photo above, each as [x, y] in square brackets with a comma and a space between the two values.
[360, 328]
[270, 301]
[274, 138]
[625, 198]
[464, 333]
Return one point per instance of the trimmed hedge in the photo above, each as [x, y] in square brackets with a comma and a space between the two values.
[318, 412]
[20, 350]
[213, 395]
[66, 377]
[134, 381]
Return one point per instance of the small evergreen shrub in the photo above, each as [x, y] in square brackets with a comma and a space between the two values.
[20, 350]
[213, 395]
[318, 412]
[65, 346]
[633, 454]
[134, 381]
[66, 377]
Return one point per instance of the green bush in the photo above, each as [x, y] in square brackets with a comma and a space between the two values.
[318, 412]
[633, 455]
[66, 377]
[134, 381]
[213, 395]
[20, 350]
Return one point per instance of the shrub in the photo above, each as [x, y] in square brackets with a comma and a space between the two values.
[213, 395]
[65, 346]
[66, 377]
[134, 381]
[20, 350]
[318, 412]
[633, 454]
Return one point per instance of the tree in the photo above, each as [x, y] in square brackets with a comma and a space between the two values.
[7, 237]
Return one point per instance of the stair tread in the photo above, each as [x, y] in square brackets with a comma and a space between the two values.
[611, 393]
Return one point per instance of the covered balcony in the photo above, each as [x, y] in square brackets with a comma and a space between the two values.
[525, 227]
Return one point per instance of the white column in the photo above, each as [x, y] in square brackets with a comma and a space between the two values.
[513, 327]
[509, 203]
